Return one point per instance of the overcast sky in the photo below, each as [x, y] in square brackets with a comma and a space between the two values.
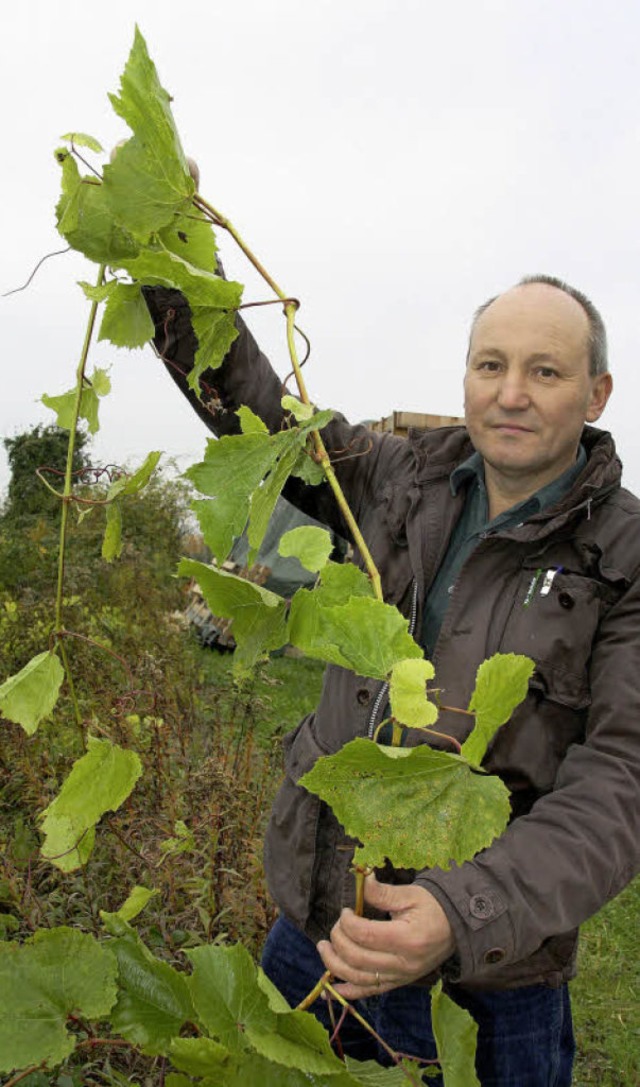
[393, 162]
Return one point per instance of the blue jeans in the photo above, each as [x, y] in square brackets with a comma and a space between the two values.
[525, 1036]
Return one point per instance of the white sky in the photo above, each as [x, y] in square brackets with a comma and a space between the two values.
[392, 162]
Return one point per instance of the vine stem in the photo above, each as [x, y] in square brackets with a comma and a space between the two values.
[321, 455]
[367, 1026]
[23, 1075]
[66, 501]
[311, 997]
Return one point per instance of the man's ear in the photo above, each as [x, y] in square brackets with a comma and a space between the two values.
[601, 388]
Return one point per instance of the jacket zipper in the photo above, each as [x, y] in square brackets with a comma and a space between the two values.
[384, 690]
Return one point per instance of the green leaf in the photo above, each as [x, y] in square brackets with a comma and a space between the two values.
[149, 179]
[112, 540]
[85, 220]
[80, 139]
[126, 321]
[364, 634]
[308, 470]
[199, 1056]
[38, 991]
[128, 485]
[310, 545]
[370, 1074]
[408, 696]
[233, 467]
[448, 811]
[339, 581]
[234, 1008]
[191, 237]
[153, 998]
[30, 695]
[98, 385]
[502, 683]
[259, 616]
[159, 267]
[98, 782]
[215, 331]
[250, 423]
[455, 1032]
[135, 902]
[302, 412]
[245, 473]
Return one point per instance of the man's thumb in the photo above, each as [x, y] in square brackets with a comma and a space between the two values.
[386, 897]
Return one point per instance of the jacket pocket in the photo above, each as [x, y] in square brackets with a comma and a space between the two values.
[528, 751]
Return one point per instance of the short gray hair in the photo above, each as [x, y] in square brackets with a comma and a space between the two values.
[598, 357]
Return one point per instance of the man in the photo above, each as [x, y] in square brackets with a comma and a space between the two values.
[511, 535]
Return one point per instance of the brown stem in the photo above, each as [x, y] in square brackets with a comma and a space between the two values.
[23, 1075]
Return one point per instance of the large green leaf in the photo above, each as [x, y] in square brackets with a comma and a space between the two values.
[455, 1032]
[153, 998]
[149, 178]
[259, 616]
[56, 973]
[160, 267]
[417, 807]
[98, 782]
[191, 237]
[199, 1056]
[364, 634]
[244, 475]
[84, 218]
[30, 695]
[502, 683]
[234, 1008]
[408, 695]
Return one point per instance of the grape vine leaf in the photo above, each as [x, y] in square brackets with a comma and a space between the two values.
[370, 1074]
[199, 1056]
[84, 219]
[98, 782]
[98, 385]
[364, 634]
[301, 412]
[132, 484]
[339, 581]
[38, 991]
[81, 139]
[259, 616]
[153, 998]
[234, 1008]
[30, 695]
[407, 693]
[502, 683]
[310, 545]
[244, 474]
[148, 180]
[418, 807]
[191, 237]
[455, 1032]
[250, 423]
[112, 539]
[134, 903]
[126, 321]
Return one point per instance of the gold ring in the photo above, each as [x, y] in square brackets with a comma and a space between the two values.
[377, 980]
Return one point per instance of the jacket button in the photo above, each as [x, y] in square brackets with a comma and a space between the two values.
[480, 907]
[495, 954]
[566, 600]
[363, 696]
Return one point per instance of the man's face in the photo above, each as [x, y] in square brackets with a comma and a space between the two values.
[527, 386]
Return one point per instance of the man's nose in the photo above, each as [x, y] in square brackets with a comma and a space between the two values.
[513, 392]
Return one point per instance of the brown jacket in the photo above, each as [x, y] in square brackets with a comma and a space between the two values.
[571, 753]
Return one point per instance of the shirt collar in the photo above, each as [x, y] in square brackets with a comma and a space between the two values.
[472, 469]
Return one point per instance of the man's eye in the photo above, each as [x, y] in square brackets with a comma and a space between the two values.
[547, 372]
[492, 365]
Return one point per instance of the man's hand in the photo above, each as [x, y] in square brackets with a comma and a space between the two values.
[372, 957]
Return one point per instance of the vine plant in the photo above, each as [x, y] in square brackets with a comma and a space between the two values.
[143, 223]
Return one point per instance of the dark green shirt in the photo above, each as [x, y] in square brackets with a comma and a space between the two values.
[474, 525]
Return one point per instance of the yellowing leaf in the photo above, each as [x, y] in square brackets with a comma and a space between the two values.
[408, 696]
[502, 683]
[418, 807]
[98, 782]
